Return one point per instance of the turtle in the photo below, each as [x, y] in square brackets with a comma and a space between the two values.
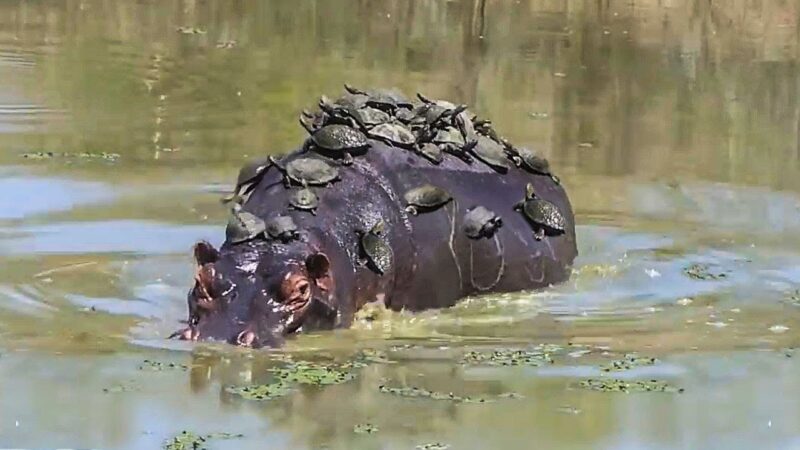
[282, 228]
[464, 124]
[451, 140]
[436, 114]
[304, 199]
[350, 100]
[385, 99]
[338, 139]
[490, 153]
[481, 222]
[431, 152]
[243, 226]
[442, 103]
[249, 175]
[425, 198]
[394, 134]
[376, 251]
[532, 162]
[542, 214]
[307, 171]
[407, 116]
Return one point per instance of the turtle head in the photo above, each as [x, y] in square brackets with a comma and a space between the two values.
[256, 293]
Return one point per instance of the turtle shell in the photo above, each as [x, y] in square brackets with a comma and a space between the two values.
[377, 251]
[491, 153]
[442, 103]
[243, 226]
[339, 137]
[531, 161]
[311, 171]
[369, 117]
[393, 133]
[449, 135]
[431, 152]
[544, 214]
[427, 196]
[249, 175]
[304, 199]
[480, 222]
[281, 227]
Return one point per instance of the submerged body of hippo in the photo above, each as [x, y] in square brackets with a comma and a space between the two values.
[263, 285]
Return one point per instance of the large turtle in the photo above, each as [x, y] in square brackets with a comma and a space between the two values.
[339, 140]
[490, 153]
[481, 222]
[243, 226]
[307, 171]
[374, 248]
[249, 175]
[542, 214]
[282, 228]
[425, 198]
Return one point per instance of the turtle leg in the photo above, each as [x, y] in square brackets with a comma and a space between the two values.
[347, 159]
[555, 179]
[411, 210]
[539, 234]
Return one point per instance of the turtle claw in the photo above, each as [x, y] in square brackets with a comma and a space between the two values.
[411, 210]
[538, 234]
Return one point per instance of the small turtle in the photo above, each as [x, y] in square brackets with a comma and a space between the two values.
[480, 222]
[304, 199]
[339, 139]
[436, 114]
[349, 100]
[394, 134]
[490, 153]
[542, 214]
[442, 103]
[532, 162]
[249, 175]
[282, 228]
[431, 152]
[308, 171]
[463, 121]
[452, 141]
[406, 116]
[368, 117]
[375, 249]
[243, 226]
[425, 198]
[385, 99]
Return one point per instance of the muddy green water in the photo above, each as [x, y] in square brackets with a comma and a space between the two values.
[675, 126]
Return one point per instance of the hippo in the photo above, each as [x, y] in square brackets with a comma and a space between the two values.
[413, 205]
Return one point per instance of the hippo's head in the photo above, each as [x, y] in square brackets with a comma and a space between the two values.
[254, 294]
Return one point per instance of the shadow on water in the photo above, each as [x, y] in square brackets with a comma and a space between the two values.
[675, 127]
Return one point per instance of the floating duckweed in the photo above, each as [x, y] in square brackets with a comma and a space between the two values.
[260, 391]
[617, 385]
[83, 155]
[433, 446]
[510, 357]
[416, 392]
[158, 366]
[190, 30]
[628, 362]
[365, 428]
[308, 373]
[702, 271]
[122, 387]
[189, 441]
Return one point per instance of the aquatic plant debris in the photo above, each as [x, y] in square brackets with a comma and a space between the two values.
[187, 440]
[121, 387]
[537, 356]
[365, 428]
[617, 385]
[157, 366]
[433, 446]
[418, 392]
[628, 362]
[105, 156]
[309, 373]
[260, 391]
[190, 30]
[703, 271]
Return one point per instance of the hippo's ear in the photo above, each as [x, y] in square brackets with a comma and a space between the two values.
[318, 265]
[205, 253]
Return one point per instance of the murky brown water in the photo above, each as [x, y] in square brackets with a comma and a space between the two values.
[675, 126]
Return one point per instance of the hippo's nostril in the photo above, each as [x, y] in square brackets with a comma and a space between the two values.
[246, 338]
